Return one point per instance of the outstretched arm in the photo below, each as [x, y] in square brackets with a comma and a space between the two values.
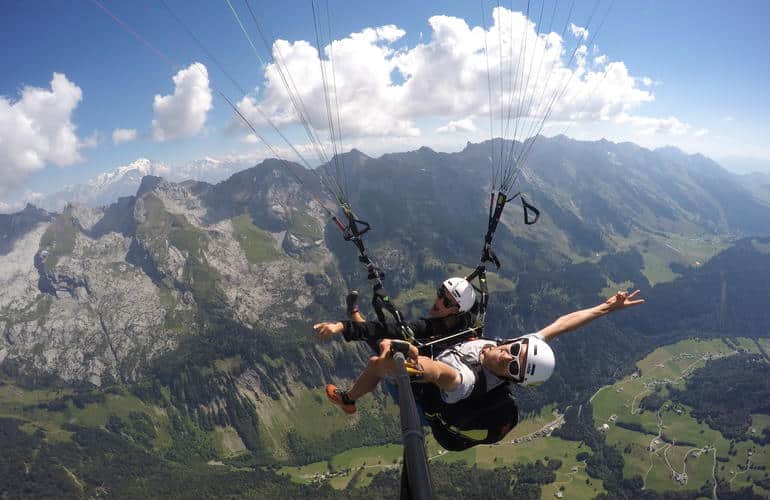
[576, 319]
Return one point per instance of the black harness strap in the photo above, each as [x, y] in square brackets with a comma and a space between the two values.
[380, 298]
[531, 216]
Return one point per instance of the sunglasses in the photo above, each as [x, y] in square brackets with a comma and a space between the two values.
[514, 368]
[448, 302]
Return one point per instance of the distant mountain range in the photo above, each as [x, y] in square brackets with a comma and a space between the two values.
[124, 181]
[746, 165]
[172, 250]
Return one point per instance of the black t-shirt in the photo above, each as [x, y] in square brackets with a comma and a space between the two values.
[372, 332]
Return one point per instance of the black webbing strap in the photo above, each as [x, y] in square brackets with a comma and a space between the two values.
[381, 303]
[529, 208]
[487, 255]
[380, 298]
[531, 215]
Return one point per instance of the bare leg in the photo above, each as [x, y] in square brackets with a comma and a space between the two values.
[368, 380]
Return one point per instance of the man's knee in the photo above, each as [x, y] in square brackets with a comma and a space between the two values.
[381, 365]
[375, 365]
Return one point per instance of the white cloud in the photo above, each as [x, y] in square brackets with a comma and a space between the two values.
[183, 113]
[37, 130]
[91, 141]
[649, 82]
[578, 31]
[251, 139]
[601, 60]
[464, 125]
[701, 132]
[369, 102]
[655, 126]
[120, 135]
[385, 92]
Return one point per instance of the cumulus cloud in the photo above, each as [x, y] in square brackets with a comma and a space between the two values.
[183, 113]
[464, 125]
[37, 130]
[655, 126]
[649, 82]
[383, 91]
[91, 141]
[120, 135]
[701, 132]
[250, 139]
[578, 31]
[369, 102]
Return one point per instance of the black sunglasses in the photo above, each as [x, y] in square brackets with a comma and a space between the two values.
[514, 368]
[442, 293]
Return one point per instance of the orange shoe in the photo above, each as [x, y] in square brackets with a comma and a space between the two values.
[335, 396]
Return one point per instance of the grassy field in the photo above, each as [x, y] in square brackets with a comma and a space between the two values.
[30, 405]
[613, 288]
[421, 295]
[670, 441]
[660, 250]
[304, 226]
[657, 268]
[258, 246]
[356, 467]
[691, 448]
[279, 417]
[227, 442]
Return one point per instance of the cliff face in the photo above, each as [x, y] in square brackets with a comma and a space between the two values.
[91, 294]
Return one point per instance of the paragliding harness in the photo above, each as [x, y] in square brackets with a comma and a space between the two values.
[486, 416]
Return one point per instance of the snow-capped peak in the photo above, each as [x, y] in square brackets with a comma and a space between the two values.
[134, 170]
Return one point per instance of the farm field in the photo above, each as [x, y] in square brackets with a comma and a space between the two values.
[669, 448]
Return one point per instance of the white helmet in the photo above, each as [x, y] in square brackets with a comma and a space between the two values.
[541, 362]
[462, 291]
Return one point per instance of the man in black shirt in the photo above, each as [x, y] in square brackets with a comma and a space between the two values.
[454, 300]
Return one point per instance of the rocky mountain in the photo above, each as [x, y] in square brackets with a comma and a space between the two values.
[198, 296]
[102, 291]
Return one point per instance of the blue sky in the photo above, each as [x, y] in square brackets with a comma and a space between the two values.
[694, 74]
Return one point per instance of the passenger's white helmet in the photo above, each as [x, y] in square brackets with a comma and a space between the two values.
[541, 362]
[462, 291]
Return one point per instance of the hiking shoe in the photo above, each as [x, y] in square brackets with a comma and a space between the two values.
[351, 301]
[336, 396]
